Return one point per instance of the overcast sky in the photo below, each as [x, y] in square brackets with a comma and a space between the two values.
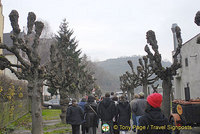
[112, 28]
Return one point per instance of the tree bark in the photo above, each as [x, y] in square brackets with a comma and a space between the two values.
[167, 86]
[35, 87]
[64, 102]
[129, 95]
[145, 90]
[132, 94]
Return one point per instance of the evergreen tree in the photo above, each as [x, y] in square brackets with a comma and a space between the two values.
[64, 66]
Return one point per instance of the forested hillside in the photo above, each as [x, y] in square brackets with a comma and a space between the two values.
[108, 72]
[118, 66]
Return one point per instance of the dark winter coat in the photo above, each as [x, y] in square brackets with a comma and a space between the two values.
[124, 114]
[139, 106]
[107, 109]
[153, 118]
[74, 115]
[91, 117]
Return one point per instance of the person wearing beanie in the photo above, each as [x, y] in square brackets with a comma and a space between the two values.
[153, 117]
[138, 108]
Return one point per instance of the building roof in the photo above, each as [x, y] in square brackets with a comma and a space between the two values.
[8, 41]
[191, 39]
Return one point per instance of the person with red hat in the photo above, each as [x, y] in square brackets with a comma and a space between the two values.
[153, 121]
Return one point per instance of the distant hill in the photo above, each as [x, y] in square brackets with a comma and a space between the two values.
[115, 68]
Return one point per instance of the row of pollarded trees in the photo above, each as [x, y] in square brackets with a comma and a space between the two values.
[65, 71]
[143, 77]
[152, 65]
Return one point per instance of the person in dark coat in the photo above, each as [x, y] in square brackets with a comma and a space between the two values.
[91, 116]
[115, 131]
[153, 117]
[81, 104]
[138, 108]
[124, 115]
[74, 117]
[106, 111]
[136, 96]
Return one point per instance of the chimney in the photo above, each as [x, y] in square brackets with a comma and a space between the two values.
[187, 92]
[174, 36]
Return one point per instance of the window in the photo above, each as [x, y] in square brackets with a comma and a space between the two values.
[186, 62]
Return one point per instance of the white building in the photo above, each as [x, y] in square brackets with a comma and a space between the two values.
[189, 73]
[10, 56]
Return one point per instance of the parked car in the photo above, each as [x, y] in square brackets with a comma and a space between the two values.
[53, 103]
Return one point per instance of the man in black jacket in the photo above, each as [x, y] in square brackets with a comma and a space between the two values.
[74, 116]
[153, 121]
[106, 111]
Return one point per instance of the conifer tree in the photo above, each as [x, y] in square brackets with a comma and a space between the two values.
[64, 66]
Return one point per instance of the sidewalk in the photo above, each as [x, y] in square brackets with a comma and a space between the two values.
[50, 126]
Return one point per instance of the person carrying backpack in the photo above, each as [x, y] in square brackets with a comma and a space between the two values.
[91, 116]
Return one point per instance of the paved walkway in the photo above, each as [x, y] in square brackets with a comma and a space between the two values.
[195, 130]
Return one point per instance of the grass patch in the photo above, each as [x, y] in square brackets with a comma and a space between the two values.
[24, 123]
[51, 114]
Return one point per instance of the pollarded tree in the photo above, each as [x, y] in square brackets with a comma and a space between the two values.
[145, 74]
[30, 68]
[129, 81]
[197, 21]
[165, 74]
[155, 88]
[134, 78]
[124, 84]
[64, 66]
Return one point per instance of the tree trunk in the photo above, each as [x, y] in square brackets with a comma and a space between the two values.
[167, 86]
[35, 87]
[148, 91]
[145, 90]
[64, 102]
[132, 94]
[129, 95]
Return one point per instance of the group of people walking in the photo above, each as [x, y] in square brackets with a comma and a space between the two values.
[114, 114]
